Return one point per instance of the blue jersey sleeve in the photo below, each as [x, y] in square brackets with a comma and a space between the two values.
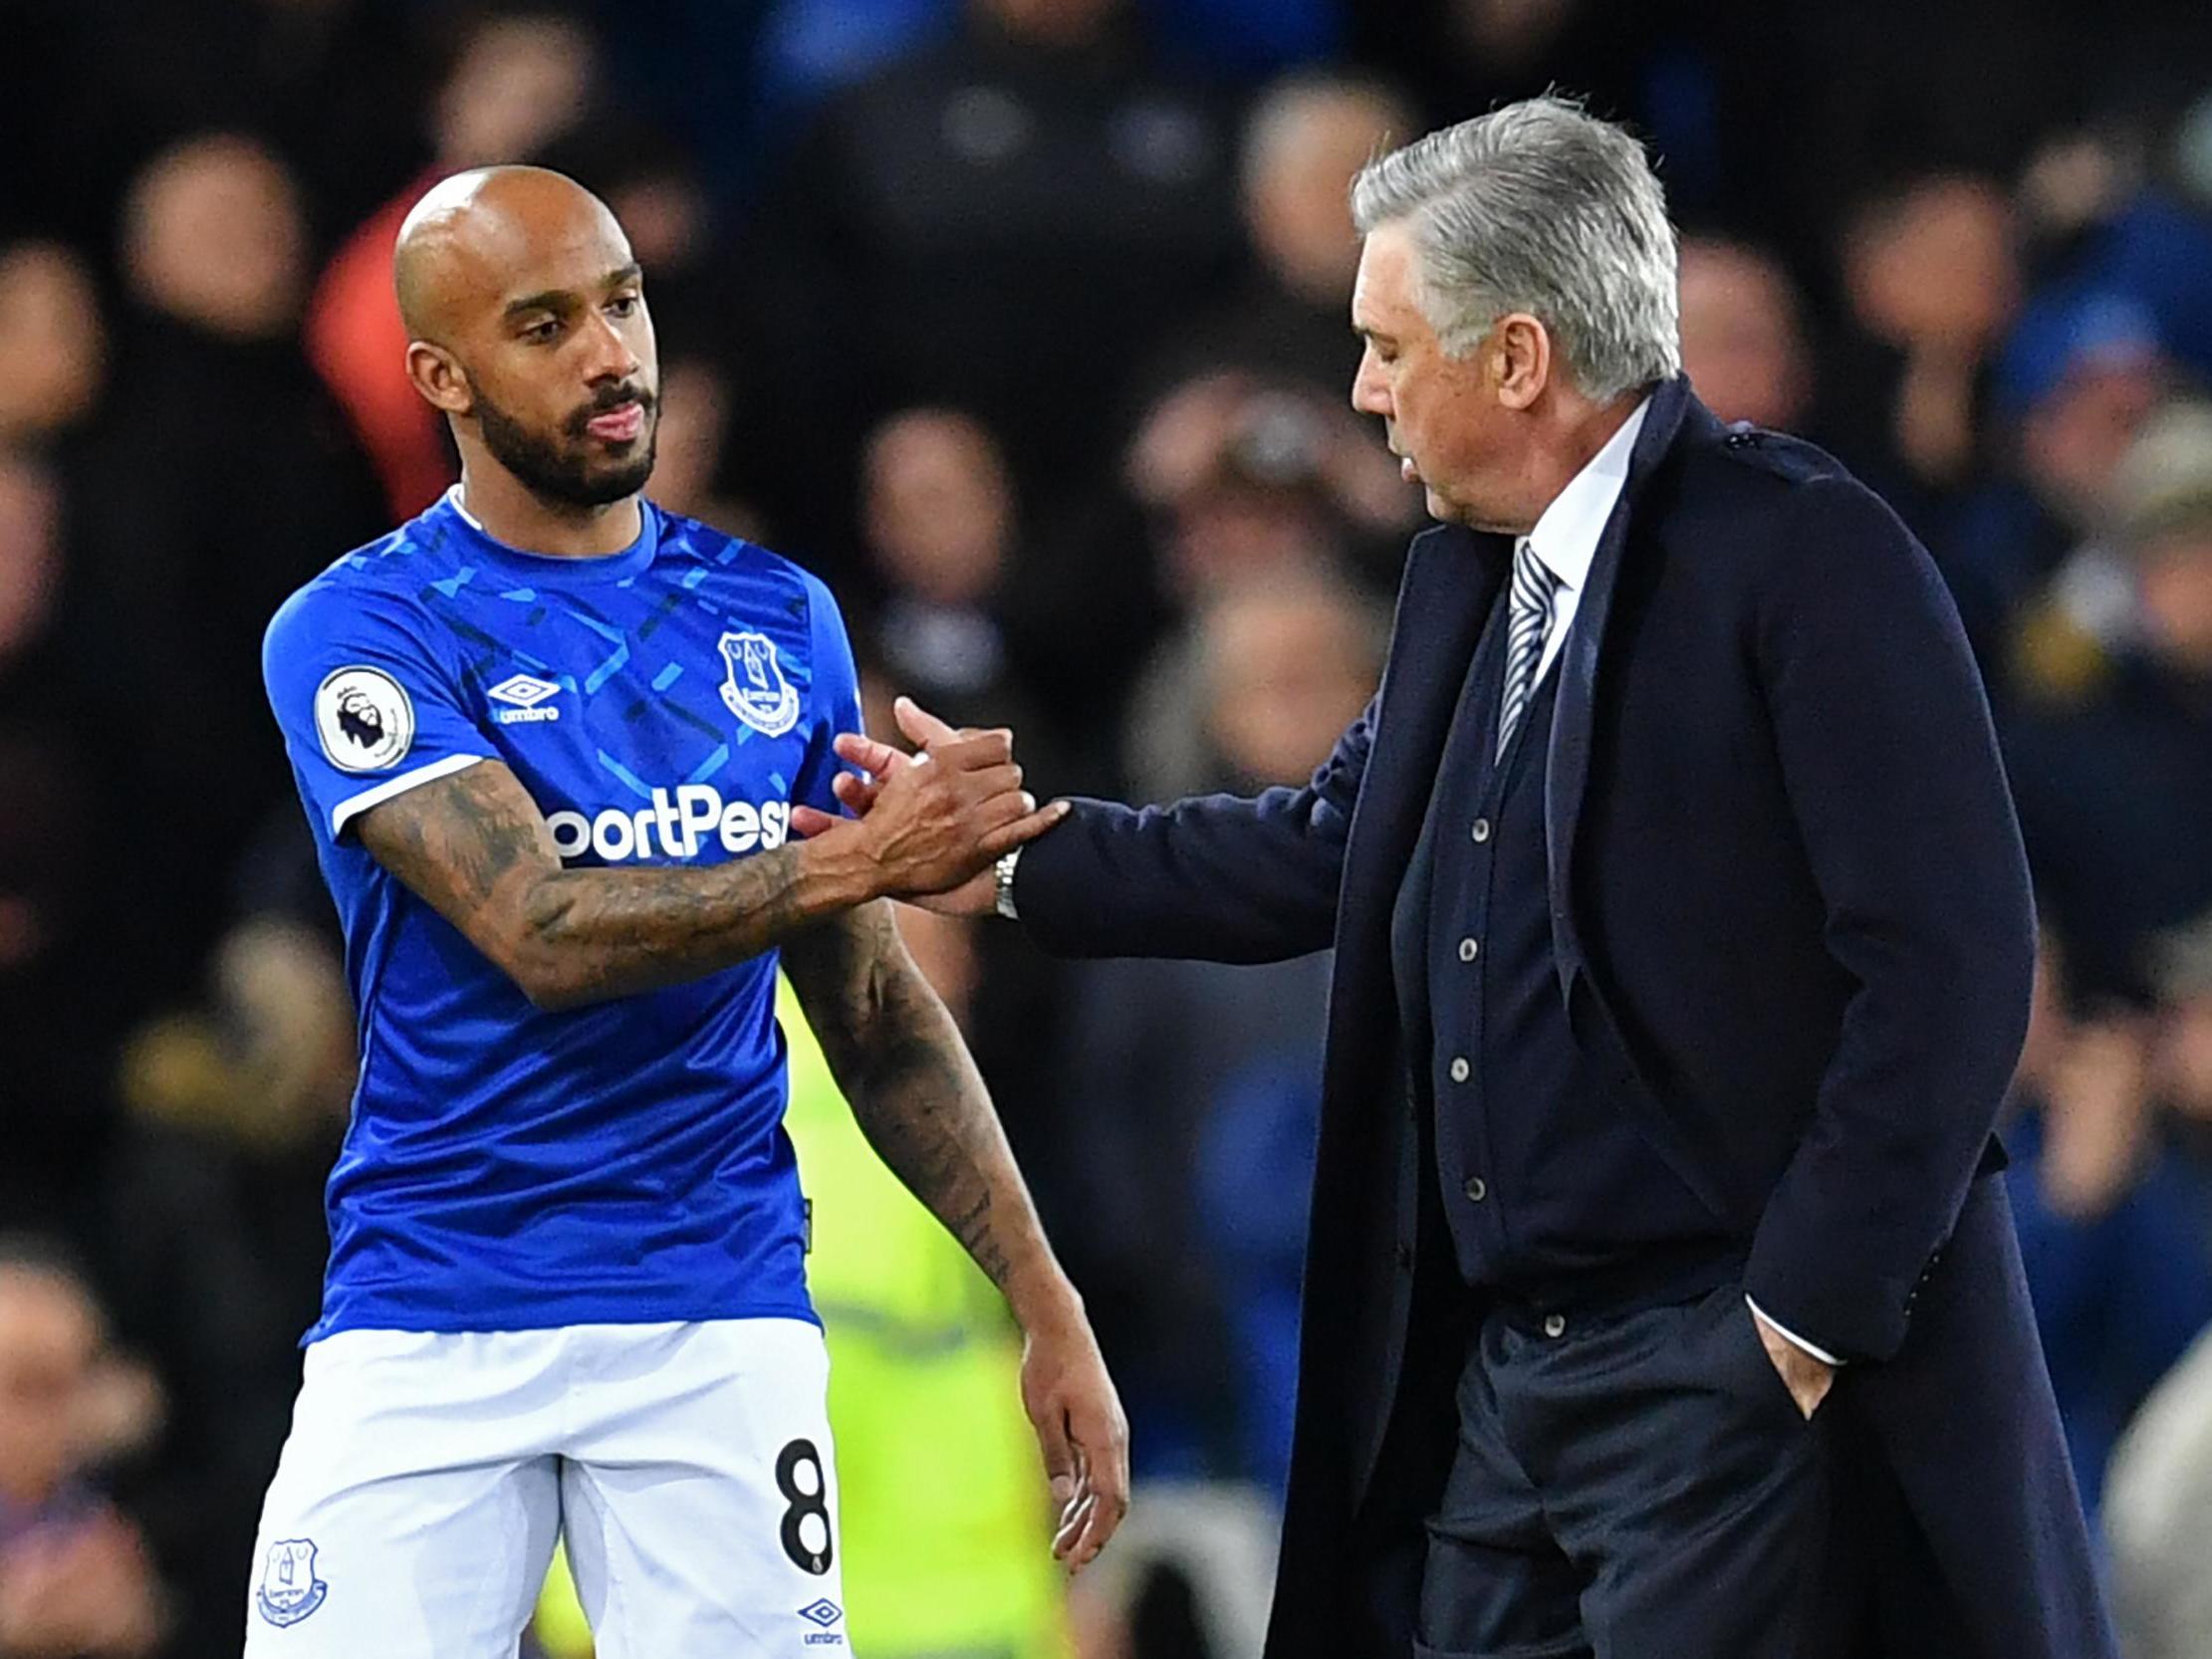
[837, 700]
[368, 705]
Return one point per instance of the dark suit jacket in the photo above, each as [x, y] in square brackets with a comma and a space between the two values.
[1789, 903]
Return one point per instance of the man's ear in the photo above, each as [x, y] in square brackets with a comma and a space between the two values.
[1521, 357]
[438, 375]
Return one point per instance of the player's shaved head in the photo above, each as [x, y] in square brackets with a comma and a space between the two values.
[527, 327]
[471, 234]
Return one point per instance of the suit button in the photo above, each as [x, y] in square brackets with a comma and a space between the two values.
[1405, 1256]
[1459, 1069]
[1469, 949]
[1475, 1189]
[1554, 1325]
[1481, 830]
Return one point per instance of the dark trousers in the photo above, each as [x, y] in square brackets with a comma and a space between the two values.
[1636, 1484]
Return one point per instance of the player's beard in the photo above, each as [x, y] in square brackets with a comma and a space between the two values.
[561, 469]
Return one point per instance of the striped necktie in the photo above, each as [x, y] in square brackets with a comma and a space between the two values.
[1534, 590]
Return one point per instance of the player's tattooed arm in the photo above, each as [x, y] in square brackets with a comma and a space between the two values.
[916, 1093]
[917, 1096]
[475, 847]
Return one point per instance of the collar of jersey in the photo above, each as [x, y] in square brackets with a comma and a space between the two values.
[558, 570]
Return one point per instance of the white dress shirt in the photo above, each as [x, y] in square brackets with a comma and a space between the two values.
[1565, 538]
[1566, 535]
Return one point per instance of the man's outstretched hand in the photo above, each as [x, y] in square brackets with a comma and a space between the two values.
[965, 891]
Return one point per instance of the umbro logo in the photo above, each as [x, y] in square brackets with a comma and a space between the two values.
[824, 1613]
[524, 692]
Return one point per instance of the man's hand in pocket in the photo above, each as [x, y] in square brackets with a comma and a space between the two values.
[1808, 1379]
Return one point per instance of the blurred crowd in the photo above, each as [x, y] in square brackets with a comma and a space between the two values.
[1022, 322]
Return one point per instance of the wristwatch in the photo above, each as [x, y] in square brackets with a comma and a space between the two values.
[1002, 874]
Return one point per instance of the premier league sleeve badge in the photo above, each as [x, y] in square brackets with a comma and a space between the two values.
[364, 718]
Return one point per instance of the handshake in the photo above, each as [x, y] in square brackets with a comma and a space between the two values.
[927, 826]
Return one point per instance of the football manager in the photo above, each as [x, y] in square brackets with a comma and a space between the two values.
[1661, 1299]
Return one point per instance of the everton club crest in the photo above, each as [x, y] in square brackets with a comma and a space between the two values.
[288, 1589]
[753, 685]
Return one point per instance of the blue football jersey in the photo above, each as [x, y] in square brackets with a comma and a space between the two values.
[509, 1168]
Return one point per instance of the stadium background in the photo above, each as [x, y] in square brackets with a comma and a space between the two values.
[1022, 322]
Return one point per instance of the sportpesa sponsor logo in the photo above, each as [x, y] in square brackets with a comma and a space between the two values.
[678, 824]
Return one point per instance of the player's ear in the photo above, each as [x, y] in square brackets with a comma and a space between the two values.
[438, 375]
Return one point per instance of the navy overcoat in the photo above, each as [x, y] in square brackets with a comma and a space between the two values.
[1789, 903]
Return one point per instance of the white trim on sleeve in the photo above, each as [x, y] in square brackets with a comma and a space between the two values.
[1792, 1338]
[354, 806]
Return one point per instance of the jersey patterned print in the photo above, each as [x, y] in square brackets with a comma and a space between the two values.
[509, 1168]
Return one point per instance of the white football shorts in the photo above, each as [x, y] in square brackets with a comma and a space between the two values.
[428, 1475]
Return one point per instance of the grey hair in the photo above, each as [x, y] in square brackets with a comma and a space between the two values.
[1539, 206]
